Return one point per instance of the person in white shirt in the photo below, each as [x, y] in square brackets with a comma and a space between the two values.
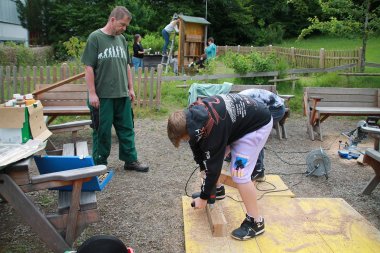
[173, 26]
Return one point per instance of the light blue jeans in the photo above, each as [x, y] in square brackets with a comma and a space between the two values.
[137, 62]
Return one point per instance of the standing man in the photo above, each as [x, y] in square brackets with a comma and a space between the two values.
[110, 90]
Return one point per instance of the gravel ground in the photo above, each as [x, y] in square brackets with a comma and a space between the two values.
[144, 209]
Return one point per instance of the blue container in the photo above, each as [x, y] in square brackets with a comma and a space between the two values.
[50, 164]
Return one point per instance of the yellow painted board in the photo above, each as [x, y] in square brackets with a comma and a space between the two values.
[340, 225]
[287, 229]
[272, 182]
[198, 237]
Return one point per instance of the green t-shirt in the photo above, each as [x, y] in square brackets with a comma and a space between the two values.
[108, 55]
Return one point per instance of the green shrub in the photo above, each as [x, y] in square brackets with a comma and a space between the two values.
[75, 47]
[254, 62]
[153, 41]
[19, 55]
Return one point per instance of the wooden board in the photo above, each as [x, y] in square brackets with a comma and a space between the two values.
[291, 224]
[216, 219]
[263, 188]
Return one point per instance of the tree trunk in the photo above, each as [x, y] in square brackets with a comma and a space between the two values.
[365, 35]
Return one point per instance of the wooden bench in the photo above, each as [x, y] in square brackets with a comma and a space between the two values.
[58, 231]
[372, 158]
[321, 103]
[280, 126]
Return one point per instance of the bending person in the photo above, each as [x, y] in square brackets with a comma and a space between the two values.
[171, 27]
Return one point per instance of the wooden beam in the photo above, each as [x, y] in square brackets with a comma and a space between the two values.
[216, 219]
[59, 83]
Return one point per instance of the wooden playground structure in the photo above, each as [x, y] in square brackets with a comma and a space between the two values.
[192, 39]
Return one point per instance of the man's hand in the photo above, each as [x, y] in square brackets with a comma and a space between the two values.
[200, 203]
[132, 95]
[93, 100]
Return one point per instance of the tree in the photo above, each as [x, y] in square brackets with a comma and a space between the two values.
[347, 18]
[35, 17]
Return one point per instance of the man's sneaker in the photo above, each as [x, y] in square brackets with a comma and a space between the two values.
[220, 193]
[137, 166]
[191, 64]
[228, 158]
[248, 229]
[258, 176]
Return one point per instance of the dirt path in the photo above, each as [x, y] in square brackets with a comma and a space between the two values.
[144, 209]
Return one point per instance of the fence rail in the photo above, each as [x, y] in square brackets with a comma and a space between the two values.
[303, 58]
[25, 80]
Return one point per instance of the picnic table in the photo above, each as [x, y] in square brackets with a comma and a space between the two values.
[57, 231]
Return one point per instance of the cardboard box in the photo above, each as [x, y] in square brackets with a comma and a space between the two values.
[19, 124]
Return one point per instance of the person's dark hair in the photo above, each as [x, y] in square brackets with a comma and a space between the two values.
[210, 39]
[136, 37]
[119, 12]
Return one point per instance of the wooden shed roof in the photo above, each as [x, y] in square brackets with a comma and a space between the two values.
[190, 19]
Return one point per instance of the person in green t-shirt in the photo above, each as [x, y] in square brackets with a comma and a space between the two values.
[110, 90]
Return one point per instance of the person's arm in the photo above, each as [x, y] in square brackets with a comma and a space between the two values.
[176, 26]
[90, 80]
[130, 84]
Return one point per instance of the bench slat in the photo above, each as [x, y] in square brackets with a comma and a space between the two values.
[373, 153]
[365, 104]
[311, 91]
[65, 88]
[70, 175]
[74, 95]
[68, 149]
[81, 148]
[349, 110]
[87, 201]
[70, 124]
[347, 98]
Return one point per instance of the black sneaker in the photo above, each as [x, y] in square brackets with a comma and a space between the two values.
[258, 176]
[248, 229]
[137, 166]
[220, 193]
[228, 158]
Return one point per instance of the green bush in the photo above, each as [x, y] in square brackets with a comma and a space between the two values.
[19, 55]
[75, 48]
[156, 42]
[254, 62]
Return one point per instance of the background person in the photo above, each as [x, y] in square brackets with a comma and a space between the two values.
[171, 27]
[138, 53]
[210, 53]
[110, 90]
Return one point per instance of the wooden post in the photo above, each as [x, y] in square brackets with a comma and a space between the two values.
[139, 72]
[21, 74]
[293, 56]
[225, 49]
[48, 80]
[151, 90]
[360, 58]
[145, 86]
[14, 72]
[238, 49]
[270, 48]
[54, 74]
[42, 81]
[34, 77]
[28, 80]
[158, 92]
[7, 83]
[322, 58]
[1, 85]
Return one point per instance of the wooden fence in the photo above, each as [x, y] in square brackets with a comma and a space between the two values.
[303, 58]
[24, 80]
